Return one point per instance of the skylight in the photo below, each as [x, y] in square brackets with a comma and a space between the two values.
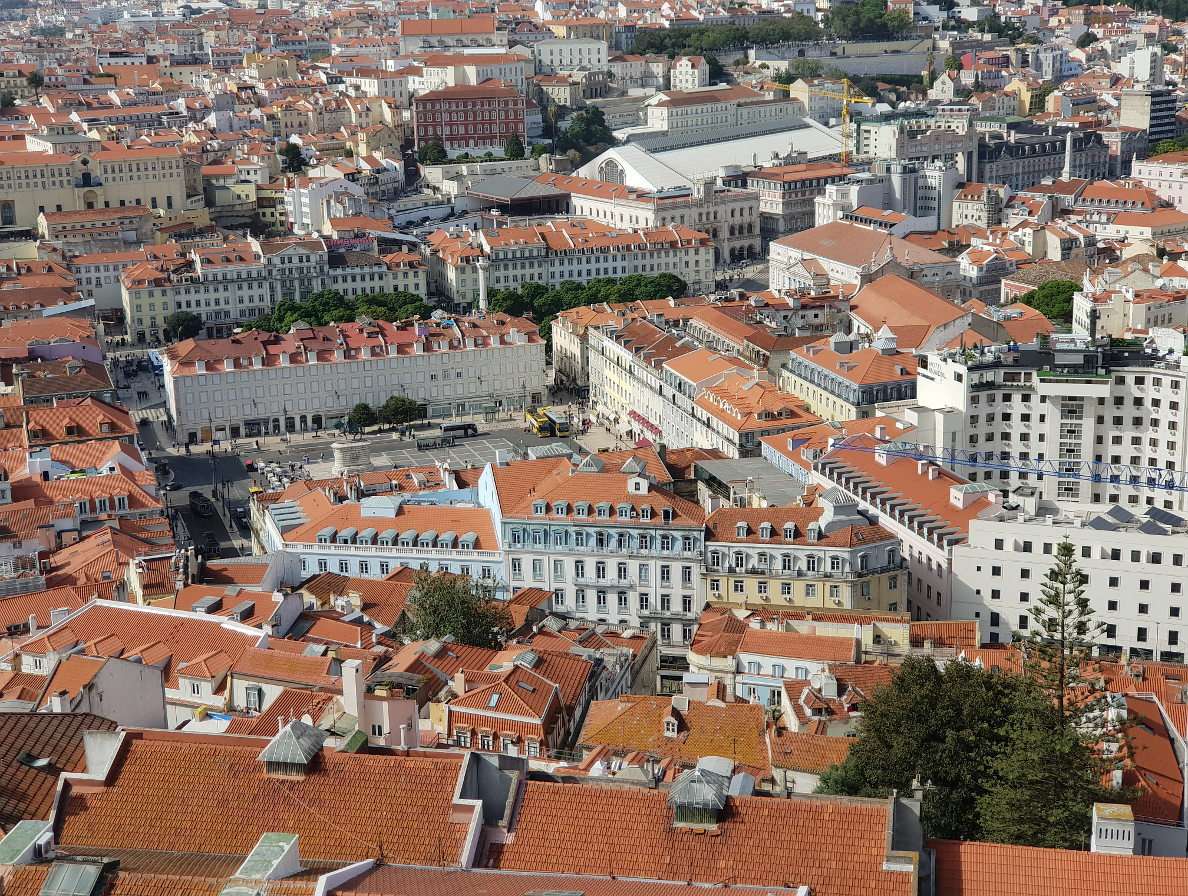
[492, 701]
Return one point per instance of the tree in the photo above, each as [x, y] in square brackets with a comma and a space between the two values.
[36, 80]
[1060, 642]
[1087, 39]
[1054, 299]
[1043, 784]
[361, 415]
[400, 409]
[941, 728]
[183, 324]
[432, 153]
[444, 604]
[513, 147]
[293, 158]
[7, 100]
[953, 63]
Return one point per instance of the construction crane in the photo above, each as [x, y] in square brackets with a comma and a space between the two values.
[1132, 475]
[846, 96]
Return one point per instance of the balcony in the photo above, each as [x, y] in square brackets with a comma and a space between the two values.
[603, 582]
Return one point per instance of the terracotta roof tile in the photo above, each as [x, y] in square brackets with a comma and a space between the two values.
[348, 807]
[28, 793]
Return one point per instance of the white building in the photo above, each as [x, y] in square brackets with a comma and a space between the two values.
[307, 200]
[609, 540]
[310, 378]
[468, 265]
[1113, 416]
[1167, 175]
[1135, 568]
[689, 73]
[729, 216]
[376, 535]
[569, 54]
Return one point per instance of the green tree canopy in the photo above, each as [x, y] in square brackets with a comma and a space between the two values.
[866, 19]
[1054, 300]
[443, 604]
[513, 147]
[329, 305]
[1043, 784]
[293, 158]
[362, 415]
[1087, 39]
[939, 727]
[183, 324]
[35, 80]
[400, 409]
[432, 153]
[544, 303]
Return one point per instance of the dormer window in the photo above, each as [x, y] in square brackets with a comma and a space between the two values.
[765, 530]
[740, 530]
[559, 508]
[670, 727]
[603, 511]
[539, 508]
[666, 514]
[789, 533]
[581, 510]
[624, 511]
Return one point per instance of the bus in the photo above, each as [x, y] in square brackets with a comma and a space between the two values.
[539, 421]
[459, 430]
[559, 422]
[156, 362]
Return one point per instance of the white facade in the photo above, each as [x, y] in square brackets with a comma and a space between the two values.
[1135, 567]
[1167, 175]
[1126, 414]
[563, 55]
[296, 396]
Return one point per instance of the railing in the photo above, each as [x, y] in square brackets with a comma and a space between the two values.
[394, 550]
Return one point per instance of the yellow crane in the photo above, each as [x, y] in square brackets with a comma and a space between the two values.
[847, 96]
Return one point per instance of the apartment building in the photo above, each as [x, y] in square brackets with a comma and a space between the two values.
[225, 286]
[376, 535]
[927, 507]
[36, 182]
[845, 253]
[467, 266]
[689, 73]
[730, 217]
[259, 383]
[787, 194]
[610, 540]
[569, 54]
[1133, 563]
[441, 70]
[828, 557]
[1111, 415]
[839, 380]
[471, 119]
[1167, 175]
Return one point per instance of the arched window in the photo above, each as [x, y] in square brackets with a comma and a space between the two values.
[611, 172]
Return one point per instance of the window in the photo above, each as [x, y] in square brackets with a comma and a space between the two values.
[463, 738]
[195, 688]
[377, 730]
[1141, 636]
[1024, 622]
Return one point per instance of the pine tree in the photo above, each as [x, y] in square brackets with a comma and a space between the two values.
[1059, 646]
[1043, 784]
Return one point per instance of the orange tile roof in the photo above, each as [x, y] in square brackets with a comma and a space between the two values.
[993, 869]
[289, 668]
[636, 723]
[813, 753]
[71, 674]
[1151, 765]
[722, 526]
[156, 635]
[628, 833]
[28, 793]
[348, 807]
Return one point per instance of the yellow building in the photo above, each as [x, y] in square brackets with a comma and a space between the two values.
[828, 557]
[36, 182]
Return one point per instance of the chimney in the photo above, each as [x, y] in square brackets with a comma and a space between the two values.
[354, 691]
[58, 701]
[880, 432]
[32, 623]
